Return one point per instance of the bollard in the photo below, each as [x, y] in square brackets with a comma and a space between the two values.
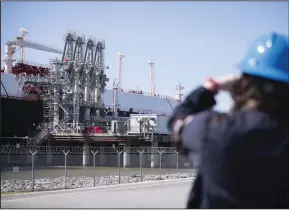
[119, 153]
[140, 163]
[65, 168]
[94, 153]
[160, 152]
[177, 164]
[32, 168]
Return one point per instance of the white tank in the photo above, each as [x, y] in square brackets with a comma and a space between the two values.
[129, 100]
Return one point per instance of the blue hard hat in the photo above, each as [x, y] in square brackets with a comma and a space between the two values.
[267, 57]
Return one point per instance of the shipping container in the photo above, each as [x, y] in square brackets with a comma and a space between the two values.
[148, 123]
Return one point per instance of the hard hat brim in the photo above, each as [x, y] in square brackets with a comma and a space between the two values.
[270, 73]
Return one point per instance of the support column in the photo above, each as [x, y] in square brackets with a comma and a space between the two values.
[85, 154]
[87, 114]
[56, 108]
[86, 97]
[126, 157]
[8, 59]
[154, 156]
[56, 97]
[76, 103]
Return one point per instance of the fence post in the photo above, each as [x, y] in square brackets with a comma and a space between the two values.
[161, 152]
[94, 153]
[32, 168]
[177, 164]
[65, 167]
[119, 153]
[140, 163]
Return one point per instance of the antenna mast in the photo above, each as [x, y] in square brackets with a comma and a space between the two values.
[119, 70]
[180, 94]
[151, 82]
[23, 34]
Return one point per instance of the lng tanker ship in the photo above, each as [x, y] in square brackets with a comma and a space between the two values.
[69, 95]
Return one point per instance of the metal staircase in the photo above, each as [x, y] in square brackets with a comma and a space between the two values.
[48, 113]
[63, 124]
[21, 81]
[25, 84]
[48, 105]
[41, 136]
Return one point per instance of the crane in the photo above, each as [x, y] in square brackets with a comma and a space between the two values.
[10, 50]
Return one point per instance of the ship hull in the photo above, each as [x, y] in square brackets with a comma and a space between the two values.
[18, 117]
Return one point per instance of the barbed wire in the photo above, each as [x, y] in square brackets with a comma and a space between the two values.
[12, 149]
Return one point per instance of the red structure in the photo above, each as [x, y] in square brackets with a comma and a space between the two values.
[91, 130]
[29, 69]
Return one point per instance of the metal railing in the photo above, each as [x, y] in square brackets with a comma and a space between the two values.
[111, 118]
[39, 168]
[143, 111]
[140, 92]
[34, 64]
[36, 79]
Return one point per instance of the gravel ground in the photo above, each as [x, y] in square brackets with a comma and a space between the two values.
[46, 184]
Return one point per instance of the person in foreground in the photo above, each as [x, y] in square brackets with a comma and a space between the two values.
[242, 156]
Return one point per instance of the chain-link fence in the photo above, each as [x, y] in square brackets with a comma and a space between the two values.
[49, 168]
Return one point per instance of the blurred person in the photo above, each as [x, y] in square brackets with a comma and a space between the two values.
[242, 156]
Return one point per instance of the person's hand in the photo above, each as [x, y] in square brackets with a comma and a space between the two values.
[226, 83]
[223, 83]
[177, 129]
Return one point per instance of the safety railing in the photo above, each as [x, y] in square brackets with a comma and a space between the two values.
[142, 111]
[33, 64]
[147, 94]
[22, 78]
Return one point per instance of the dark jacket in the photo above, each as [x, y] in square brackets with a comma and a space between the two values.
[243, 158]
